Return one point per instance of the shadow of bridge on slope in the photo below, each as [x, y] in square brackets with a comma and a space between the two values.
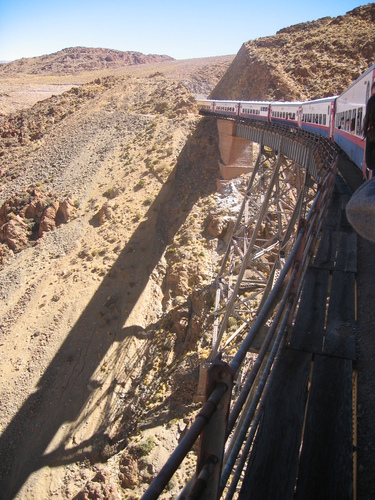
[65, 388]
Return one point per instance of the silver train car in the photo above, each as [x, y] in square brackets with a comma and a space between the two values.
[338, 118]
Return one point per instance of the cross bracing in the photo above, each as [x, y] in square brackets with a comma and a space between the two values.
[278, 192]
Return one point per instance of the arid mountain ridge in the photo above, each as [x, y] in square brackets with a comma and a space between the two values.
[111, 186]
[305, 61]
[80, 59]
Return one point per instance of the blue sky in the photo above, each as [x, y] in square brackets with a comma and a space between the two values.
[181, 29]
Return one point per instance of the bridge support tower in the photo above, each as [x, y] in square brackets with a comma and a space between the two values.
[236, 152]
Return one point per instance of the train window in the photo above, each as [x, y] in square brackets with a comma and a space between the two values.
[348, 119]
[320, 119]
[341, 121]
[324, 120]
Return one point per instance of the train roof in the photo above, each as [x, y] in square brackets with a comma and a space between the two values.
[363, 75]
[320, 100]
[286, 103]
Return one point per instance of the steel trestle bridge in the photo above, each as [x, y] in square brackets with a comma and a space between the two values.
[283, 342]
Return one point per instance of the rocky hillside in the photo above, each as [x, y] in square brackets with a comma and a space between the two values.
[78, 60]
[112, 231]
[107, 265]
[305, 61]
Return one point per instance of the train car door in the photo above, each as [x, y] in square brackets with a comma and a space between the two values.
[332, 121]
[269, 113]
[299, 117]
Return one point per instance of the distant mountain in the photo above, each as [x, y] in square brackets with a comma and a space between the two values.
[305, 61]
[78, 60]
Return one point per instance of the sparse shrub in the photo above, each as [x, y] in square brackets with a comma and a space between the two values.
[161, 107]
[111, 193]
[144, 448]
[232, 322]
[141, 184]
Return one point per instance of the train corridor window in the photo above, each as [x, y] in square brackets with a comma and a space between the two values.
[324, 120]
[348, 120]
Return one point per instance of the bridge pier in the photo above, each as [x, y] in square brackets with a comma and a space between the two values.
[236, 153]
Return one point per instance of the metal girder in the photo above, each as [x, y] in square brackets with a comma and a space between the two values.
[277, 194]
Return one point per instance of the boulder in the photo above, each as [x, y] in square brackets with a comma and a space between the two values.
[105, 213]
[65, 211]
[48, 220]
[128, 471]
[14, 233]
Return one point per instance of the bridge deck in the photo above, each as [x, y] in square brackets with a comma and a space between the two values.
[304, 445]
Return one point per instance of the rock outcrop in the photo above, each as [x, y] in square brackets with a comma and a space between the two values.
[28, 216]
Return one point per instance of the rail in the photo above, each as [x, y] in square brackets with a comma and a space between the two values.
[228, 420]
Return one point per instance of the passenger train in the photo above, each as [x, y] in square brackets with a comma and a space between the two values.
[339, 118]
